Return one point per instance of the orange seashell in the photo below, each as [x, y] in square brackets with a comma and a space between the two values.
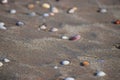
[117, 22]
[85, 63]
[31, 6]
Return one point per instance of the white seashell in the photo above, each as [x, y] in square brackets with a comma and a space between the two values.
[6, 60]
[32, 14]
[65, 37]
[54, 30]
[65, 62]
[54, 10]
[3, 27]
[103, 10]
[55, 67]
[12, 11]
[100, 73]
[1, 64]
[69, 78]
[19, 23]
[46, 14]
[72, 10]
[2, 23]
[4, 1]
[43, 27]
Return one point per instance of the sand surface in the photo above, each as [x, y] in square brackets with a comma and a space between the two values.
[34, 53]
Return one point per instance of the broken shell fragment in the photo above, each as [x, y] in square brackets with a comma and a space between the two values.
[76, 37]
[103, 10]
[46, 5]
[12, 11]
[65, 37]
[2, 23]
[117, 22]
[69, 78]
[2, 26]
[65, 62]
[1, 64]
[100, 73]
[4, 1]
[43, 27]
[19, 23]
[72, 10]
[85, 63]
[6, 60]
[54, 10]
[53, 29]
[32, 14]
[31, 6]
[46, 14]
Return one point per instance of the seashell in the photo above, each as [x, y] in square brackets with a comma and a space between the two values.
[1, 64]
[117, 22]
[100, 74]
[65, 62]
[2, 23]
[54, 30]
[103, 10]
[3, 27]
[72, 10]
[46, 5]
[54, 10]
[6, 60]
[69, 78]
[31, 6]
[12, 11]
[55, 67]
[43, 27]
[85, 63]
[19, 23]
[4, 1]
[65, 37]
[46, 14]
[76, 37]
[52, 14]
[32, 14]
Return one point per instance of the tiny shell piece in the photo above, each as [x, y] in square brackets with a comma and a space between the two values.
[100, 73]
[1, 64]
[76, 37]
[65, 37]
[54, 30]
[46, 5]
[4, 1]
[65, 62]
[69, 78]
[31, 6]
[12, 11]
[6, 60]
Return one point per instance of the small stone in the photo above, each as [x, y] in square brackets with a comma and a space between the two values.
[72, 10]
[54, 10]
[4, 1]
[43, 27]
[1, 64]
[100, 73]
[19, 23]
[46, 14]
[32, 14]
[103, 10]
[6, 60]
[65, 62]
[31, 6]
[54, 30]
[46, 5]
[65, 37]
[12, 11]
[69, 78]
[85, 63]
[74, 38]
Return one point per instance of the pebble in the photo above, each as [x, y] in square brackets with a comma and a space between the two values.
[31, 6]
[46, 5]
[85, 63]
[100, 73]
[53, 29]
[65, 62]
[54, 10]
[32, 14]
[103, 10]
[12, 11]
[46, 15]
[6, 60]
[43, 27]
[76, 37]
[65, 37]
[4, 1]
[69, 78]
[19, 23]
[1, 64]
[72, 10]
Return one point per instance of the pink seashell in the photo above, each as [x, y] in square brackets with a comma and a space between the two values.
[76, 37]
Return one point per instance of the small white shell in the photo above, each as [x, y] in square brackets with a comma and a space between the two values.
[103, 10]
[19, 23]
[46, 14]
[2, 23]
[69, 78]
[100, 74]
[13, 11]
[54, 30]
[65, 62]
[43, 27]
[3, 27]
[6, 60]
[55, 67]
[65, 37]
[54, 10]
[32, 14]
[4, 1]
[1, 64]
